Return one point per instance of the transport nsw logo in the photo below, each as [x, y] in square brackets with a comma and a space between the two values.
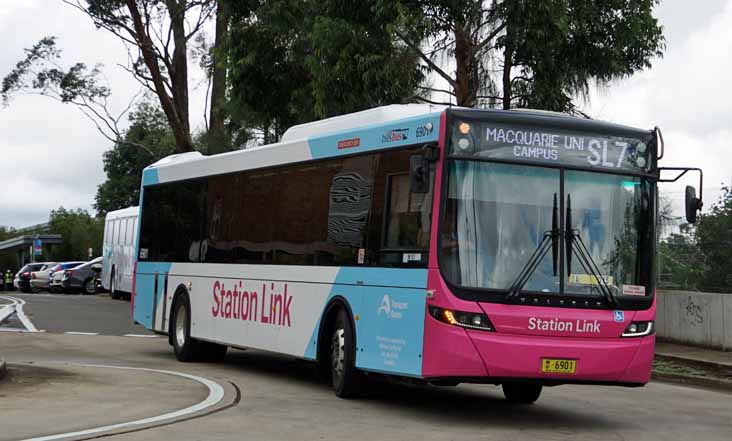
[391, 308]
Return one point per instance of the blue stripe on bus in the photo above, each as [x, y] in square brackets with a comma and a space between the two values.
[390, 320]
[417, 130]
[150, 177]
[144, 290]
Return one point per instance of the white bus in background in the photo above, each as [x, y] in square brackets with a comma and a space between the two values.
[120, 233]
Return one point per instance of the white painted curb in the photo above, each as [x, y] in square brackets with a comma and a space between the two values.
[215, 395]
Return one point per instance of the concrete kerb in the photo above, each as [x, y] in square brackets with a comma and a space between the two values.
[715, 384]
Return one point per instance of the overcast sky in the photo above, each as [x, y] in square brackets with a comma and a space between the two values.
[51, 155]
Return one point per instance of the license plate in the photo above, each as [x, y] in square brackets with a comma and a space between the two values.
[558, 366]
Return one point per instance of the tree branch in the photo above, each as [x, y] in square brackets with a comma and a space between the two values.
[426, 59]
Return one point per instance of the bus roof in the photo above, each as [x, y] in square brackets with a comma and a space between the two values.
[124, 212]
[374, 129]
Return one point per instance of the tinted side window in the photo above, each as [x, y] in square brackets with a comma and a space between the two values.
[305, 214]
[173, 222]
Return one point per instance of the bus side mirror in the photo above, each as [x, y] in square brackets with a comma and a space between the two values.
[419, 174]
[692, 204]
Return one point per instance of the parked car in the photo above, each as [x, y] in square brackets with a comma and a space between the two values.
[40, 280]
[23, 277]
[81, 278]
[47, 275]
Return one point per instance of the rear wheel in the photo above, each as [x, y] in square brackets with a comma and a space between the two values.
[90, 286]
[522, 393]
[346, 379]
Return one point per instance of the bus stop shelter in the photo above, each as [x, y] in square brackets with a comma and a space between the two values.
[22, 246]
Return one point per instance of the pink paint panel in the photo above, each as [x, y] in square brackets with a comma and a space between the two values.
[639, 370]
[434, 234]
[557, 322]
[520, 356]
[648, 314]
[448, 352]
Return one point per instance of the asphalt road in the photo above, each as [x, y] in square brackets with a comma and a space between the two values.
[282, 400]
[60, 313]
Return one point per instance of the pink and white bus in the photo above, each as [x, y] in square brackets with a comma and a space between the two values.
[445, 245]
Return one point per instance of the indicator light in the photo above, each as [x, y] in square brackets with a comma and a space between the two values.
[639, 329]
[464, 128]
[469, 320]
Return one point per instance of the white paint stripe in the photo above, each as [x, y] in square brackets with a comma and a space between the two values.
[81, 333]
[141, 335]
[215, 395]
[6, 312]
[18, 304]
[13, 330]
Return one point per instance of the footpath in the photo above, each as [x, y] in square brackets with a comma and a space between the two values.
[692, 365]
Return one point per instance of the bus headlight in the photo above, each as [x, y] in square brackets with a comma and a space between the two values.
[639, 329]
[469, 320]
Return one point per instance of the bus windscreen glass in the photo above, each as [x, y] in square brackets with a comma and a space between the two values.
[551, 146]
[496, 216]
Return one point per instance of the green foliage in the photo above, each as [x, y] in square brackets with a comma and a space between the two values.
[80, 232]
[714, 237]
[296, 61]
[536, 53]
[560, 46]
[125, 162]
[40, 72]
[700, 257]
[681, 263]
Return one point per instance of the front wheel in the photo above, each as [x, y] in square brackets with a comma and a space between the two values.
[521, 393]
[346, 379]
[187, 348]
[90, 286]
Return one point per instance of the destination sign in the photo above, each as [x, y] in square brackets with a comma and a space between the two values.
[555, 147]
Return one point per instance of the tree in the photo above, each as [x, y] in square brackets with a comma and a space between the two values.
[41, 73]
[293, 61]
[217, 138]
[124, 164]
[80, 232]
[714, 236]
[538, 53]
[156, 33]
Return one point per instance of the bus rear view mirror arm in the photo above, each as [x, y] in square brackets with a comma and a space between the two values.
[692, 204]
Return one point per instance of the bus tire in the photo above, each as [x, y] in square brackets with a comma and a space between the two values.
[185, 347]
[346, 379]
[521, 393]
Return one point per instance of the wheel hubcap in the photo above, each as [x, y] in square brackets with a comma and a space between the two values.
[338, 351]
[180, 326]
[90, 287]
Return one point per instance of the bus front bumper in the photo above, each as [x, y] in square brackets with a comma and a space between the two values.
[479, 356]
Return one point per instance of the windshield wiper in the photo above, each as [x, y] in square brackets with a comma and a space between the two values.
[550, 240]
[575, 244]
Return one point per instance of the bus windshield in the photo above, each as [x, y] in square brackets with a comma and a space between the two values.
[496, 216]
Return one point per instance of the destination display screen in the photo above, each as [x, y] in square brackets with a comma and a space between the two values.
[552, 146]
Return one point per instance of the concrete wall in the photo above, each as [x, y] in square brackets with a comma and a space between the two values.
[697, 318]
